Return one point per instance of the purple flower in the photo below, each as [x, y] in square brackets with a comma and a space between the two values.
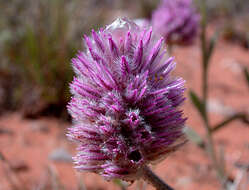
[125, 103]
[176, 20]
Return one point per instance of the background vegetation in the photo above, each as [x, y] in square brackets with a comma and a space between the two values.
[38, 39]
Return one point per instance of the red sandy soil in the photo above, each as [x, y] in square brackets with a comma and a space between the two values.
[27, 144]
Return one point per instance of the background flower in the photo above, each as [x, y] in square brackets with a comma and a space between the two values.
[176, 20]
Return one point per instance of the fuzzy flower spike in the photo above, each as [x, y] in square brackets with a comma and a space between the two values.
[176, 20]
[125, 103]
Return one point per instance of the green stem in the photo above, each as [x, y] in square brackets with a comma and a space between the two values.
[193, 136]
[210, 142]
[241, 116]
[205, 62]
[154, 180]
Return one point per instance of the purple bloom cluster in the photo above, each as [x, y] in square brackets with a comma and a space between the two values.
[125, 103]
[176, 20]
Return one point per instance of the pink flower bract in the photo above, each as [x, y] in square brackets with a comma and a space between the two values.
[125, 104]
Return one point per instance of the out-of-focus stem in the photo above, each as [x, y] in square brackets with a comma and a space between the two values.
[154, 180]
[210, 143]
[241, 116]
[205, 62]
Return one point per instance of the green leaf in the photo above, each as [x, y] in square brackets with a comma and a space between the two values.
[120, 183]
[198, 103]
[246, 73]
[2, 157]
[212, 44]
[193, 136]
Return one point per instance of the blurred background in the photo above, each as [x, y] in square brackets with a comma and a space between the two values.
[38, 38]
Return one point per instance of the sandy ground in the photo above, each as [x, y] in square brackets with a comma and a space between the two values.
[38, 154]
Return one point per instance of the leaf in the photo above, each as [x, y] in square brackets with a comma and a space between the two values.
[120, 183]
[198, 103]
[212, 44]
[193, 136]
[246, 73]
[2, 157]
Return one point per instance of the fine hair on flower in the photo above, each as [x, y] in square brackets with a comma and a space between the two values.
[125, 103]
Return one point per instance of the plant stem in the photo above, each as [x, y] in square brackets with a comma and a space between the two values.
[154, 180]
[205, 63]
[210, 143]
[241, 116]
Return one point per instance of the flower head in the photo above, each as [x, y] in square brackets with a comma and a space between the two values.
[125, 103]
[176, 20]
[143, 23]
